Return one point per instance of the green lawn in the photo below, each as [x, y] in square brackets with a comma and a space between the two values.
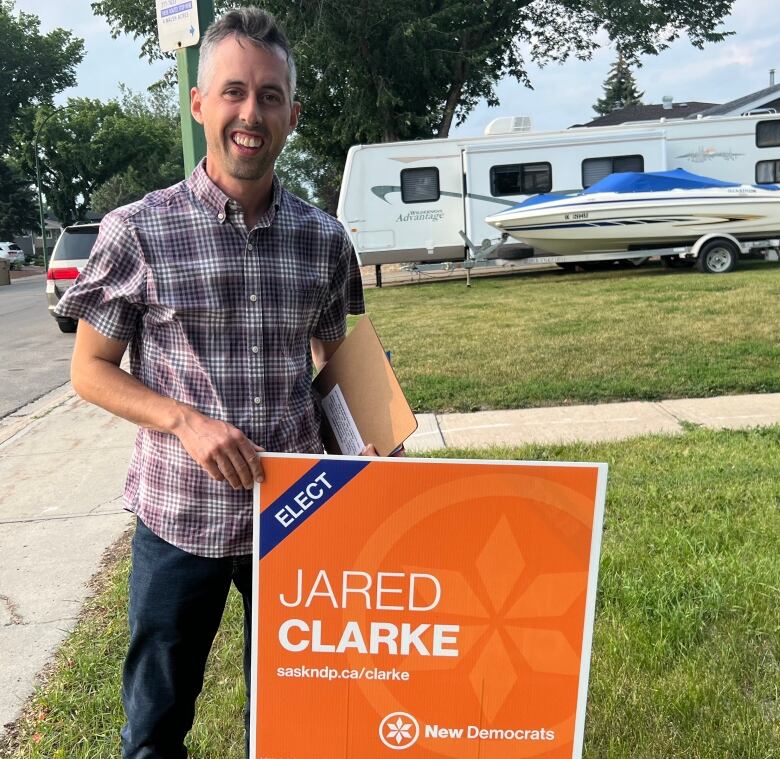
[686, 656]
[553, 338]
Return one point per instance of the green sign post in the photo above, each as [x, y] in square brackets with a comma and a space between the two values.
[180, 26]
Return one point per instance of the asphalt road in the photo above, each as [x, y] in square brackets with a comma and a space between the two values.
[34, 354]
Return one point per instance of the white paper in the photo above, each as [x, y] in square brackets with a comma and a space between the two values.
[341, 422]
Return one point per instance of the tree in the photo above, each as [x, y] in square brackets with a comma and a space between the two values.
[133, 183]
[18, 213]
[81, 146]
[300, 172]
[620, 90]
[88, 142]
[34, 66]
[379, 70]
[147, 172]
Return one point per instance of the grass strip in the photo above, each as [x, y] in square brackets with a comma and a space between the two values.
[550, 338]
[686, 654]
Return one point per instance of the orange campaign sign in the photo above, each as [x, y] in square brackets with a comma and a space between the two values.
[438, 608]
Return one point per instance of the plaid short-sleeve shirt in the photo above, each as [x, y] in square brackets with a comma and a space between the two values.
[219, 317]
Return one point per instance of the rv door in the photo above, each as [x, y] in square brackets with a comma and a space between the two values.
[471, 223]
[479, 202]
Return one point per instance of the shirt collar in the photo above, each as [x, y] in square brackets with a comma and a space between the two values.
[217, 201]
[207, 192]
[276, 203]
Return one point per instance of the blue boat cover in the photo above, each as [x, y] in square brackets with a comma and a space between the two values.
[641, 181]
[655, 181]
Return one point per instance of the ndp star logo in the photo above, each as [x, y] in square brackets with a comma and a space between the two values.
[399, 731]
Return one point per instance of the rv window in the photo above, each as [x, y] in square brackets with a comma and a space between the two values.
[419, 185]
[767, 172]
[520, 179]
[768, 134]
[595, 169]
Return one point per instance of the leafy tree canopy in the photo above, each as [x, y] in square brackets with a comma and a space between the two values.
[86, 143]
[147, 172]
[404, 68]
[620, 88]
[132, 184]
[302, 173]
[18, 212]
[34, 66]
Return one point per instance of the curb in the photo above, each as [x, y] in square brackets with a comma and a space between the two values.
[20, 421]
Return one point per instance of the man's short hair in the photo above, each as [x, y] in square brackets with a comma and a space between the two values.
[253, 24]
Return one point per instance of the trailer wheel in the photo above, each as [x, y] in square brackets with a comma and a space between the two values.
[717, 257]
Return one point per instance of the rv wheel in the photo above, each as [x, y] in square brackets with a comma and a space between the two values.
[717, 257]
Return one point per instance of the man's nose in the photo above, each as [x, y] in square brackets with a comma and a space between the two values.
[250, 111]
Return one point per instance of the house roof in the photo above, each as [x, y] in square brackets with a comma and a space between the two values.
[768, 97]
[747, 103]
[650, 113]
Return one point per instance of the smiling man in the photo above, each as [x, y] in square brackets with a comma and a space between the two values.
[227, 289]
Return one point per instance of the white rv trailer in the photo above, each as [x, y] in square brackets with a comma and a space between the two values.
[413, 202]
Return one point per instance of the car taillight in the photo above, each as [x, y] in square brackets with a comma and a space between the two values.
[66, 273]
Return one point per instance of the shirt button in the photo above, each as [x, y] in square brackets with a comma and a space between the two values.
[258, 400]
[249, 246]
[253, 298]
[221, 216]
[255, 349]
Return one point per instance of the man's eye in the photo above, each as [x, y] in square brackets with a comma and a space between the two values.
[271, 97]
[233, 93]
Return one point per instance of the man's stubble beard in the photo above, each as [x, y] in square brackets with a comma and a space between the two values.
[250, 169]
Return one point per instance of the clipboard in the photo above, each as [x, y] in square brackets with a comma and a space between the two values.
[360, 398]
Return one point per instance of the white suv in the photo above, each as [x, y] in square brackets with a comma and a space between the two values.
[12, 253]
[69, 257]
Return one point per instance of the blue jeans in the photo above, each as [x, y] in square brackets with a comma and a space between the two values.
[176, 604]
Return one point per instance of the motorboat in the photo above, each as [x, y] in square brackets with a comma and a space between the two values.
[642, 210]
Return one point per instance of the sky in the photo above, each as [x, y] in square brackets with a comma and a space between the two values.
[563, 94]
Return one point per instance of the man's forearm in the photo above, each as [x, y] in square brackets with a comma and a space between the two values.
[105, 384]
[322, 350]
[220, 448]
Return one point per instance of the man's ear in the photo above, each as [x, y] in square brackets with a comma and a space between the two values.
[196, 100]
[295, 112]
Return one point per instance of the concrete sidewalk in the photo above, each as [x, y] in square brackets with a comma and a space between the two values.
[63, 464]
[62, 468]
[590, 424]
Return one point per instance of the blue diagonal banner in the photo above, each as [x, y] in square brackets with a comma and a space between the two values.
[302, 499]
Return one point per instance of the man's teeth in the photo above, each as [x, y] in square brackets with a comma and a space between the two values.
[246, 141]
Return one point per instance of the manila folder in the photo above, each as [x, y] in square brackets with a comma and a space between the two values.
[360, 397]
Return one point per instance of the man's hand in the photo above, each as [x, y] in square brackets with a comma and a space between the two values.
[221, 449]
[370, 450]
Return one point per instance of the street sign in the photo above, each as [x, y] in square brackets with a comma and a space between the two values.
[177, 24]
[442, 608]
